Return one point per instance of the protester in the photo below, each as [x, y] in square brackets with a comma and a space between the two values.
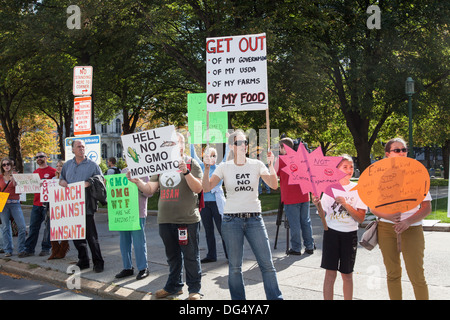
[296, 207]
[112, 168]
[12, 209]
[212, 213]
[59, 248]
[342, 215]
[177, 213]
[408, 225]
[39, 213]
[81, 168]
[136, 238]
[242, 214]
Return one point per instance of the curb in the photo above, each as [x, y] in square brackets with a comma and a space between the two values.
[104, 290]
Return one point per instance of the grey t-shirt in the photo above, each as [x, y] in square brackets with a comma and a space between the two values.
[177, 202]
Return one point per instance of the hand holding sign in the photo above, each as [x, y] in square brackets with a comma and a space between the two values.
[394, 185]
[313, 171]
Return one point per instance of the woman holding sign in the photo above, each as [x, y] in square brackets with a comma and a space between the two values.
[12, 209]
[242, 214]
[409, 226]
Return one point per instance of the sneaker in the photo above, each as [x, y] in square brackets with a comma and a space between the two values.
[44, 253]
[207, 260]
[161, 293]
[309, 251]
[142, 274]
[194, 296]
[8, 254]
[125, 273]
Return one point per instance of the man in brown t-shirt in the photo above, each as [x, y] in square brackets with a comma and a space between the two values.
[178, 214]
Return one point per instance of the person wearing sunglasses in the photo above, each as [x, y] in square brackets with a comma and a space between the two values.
[212, 213]
[242, 214]
[409, 225]
[39, 213]
[12, 209]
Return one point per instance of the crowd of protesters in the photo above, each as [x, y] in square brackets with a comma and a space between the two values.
[236, 213]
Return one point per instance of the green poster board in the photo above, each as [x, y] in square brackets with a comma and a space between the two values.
[218, 121]
[123, 203]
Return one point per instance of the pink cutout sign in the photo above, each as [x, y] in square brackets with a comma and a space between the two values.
[313, 171]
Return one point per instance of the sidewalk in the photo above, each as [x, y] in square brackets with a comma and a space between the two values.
[300, 277]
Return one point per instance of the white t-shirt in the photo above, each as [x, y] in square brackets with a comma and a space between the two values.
[241, 184]
[407, 214]
[336, 215]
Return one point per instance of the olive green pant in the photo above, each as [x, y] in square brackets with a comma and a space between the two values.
[412, 250]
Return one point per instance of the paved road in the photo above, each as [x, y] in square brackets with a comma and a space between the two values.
[20, 288]
[300, 277]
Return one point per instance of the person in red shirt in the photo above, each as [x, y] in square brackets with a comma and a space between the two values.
[296, 207]
[39, 213]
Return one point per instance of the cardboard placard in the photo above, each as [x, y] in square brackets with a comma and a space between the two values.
[123, 203]
[394, 185]
[236, 75]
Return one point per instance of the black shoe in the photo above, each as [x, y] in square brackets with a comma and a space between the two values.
[142, 274]
[82, 265]
[309, 251]
[207, 260]
[98, 268]
[294, 253]
[125, 273]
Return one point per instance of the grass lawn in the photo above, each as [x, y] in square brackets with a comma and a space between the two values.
[439, 210]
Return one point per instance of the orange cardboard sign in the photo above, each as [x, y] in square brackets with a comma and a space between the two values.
[394, 185]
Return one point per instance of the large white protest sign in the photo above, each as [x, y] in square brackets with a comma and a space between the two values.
[236, 73]
[67, 212]
[151, 152]
[27, 183]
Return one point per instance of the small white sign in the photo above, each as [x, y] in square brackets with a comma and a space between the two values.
[27, 183]
[82, 81]
[92, 149]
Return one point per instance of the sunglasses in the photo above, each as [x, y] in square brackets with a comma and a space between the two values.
[240, 142]
[399, 150]
[40, 157]
[6, 164]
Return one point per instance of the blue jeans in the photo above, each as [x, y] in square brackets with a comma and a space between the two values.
[13, 210]
[37, 216]
[210, 215]
[299, 224]
[234, 230]
[177, 255]
[137, 238]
